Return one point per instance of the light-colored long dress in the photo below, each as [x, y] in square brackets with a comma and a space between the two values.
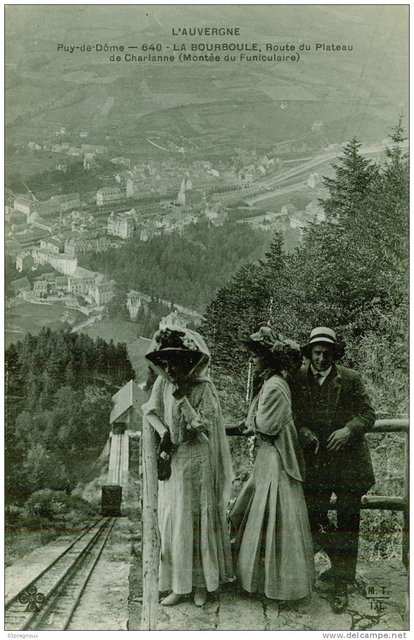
[195, 542]
[270, 521]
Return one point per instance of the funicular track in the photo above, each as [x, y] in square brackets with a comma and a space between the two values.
[50, 600]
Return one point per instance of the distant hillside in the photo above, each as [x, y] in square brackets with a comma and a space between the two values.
[357, 91]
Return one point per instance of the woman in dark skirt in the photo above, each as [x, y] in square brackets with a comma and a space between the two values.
[273, 544]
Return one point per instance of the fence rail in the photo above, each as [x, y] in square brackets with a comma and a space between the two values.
[388, 503]
[394, 503]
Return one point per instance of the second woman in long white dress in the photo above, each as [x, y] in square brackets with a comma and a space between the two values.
[273, 544]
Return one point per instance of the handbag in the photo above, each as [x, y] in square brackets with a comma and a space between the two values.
[165, 452]
[163, 465]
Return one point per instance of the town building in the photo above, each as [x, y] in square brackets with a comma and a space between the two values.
[88, 159]
[45, 225]
[121, 162]
[186, 186]
[313, 180]
[53, 245]
[102, 292]
[107, 195]
[94, 148]
[78, 243]
[40, 288]
[135, 187]
[135, 299]
[24, 204]
[24, 261]
[40, 256]
[66, 202]
[81, 281]
[61, 283]
[76, 152]
[61, 262]
[122, 224]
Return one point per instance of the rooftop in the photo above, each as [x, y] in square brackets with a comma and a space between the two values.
[130, 395]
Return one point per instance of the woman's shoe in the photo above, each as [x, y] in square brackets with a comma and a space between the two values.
[171, 599]
[200, 596]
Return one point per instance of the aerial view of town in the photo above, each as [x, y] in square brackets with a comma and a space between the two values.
[104, 160]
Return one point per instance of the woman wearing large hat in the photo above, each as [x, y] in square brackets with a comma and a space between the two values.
[273, 544]
[196, 474]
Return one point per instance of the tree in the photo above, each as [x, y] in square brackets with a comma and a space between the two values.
[51, 407]
[43, 469]
[354, 177]
[350, 271]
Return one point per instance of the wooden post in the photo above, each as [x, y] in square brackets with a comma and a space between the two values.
[405, 539]
[150, 531]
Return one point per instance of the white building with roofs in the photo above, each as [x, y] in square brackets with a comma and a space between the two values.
[102, 292]
[107, 195]
[135, 299]
[186, 185]
[63, 263]
[122, 224]
[81, 281]
[24, 261]
[24, 204]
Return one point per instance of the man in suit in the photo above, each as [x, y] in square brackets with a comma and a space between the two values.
[332, 413]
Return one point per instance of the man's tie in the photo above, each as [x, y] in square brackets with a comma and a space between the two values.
[319, 378]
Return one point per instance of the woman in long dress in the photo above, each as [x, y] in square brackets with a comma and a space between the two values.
[273, 544]
[185, 411]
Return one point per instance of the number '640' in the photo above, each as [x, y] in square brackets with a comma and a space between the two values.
[151, 47]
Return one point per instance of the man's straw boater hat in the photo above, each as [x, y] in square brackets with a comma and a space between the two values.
[324, 335]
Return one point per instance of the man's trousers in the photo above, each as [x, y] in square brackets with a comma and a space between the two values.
[340, 542]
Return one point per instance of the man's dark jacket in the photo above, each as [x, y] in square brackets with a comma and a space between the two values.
[348, 404]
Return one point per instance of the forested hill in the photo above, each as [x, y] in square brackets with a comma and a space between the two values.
[58, 387]
[350, 273]
[186, 269]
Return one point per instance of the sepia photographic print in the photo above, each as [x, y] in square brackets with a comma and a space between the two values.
[206, 318]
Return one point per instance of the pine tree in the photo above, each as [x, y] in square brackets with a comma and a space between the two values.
[354, 177]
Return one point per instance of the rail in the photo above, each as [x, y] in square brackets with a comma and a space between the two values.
[394, 503]
[49, 601]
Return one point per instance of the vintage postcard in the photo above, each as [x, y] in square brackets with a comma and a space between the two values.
[206, 316]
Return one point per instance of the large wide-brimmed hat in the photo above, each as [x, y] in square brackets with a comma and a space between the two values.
[327, 336]
[273, 347]
[178, 346]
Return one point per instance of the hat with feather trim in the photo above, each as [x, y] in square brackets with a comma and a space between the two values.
[274, 347]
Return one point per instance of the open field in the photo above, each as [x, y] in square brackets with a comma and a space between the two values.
[28, 317]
